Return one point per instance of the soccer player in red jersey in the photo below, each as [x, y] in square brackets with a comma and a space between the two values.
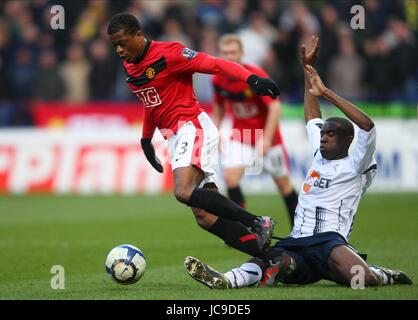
[251, 114]
[160, 74]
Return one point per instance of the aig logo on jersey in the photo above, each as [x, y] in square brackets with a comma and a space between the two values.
[314, 180]
[149, 97]
[188, 54]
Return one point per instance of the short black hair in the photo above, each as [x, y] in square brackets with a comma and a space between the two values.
[346, 126]
[123, 21]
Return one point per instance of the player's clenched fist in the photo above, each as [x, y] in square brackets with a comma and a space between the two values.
[263, 86]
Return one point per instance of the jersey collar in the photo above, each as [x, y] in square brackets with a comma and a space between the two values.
[144, 53]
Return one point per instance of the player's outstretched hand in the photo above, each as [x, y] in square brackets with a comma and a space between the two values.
[263, 86]
[317, 86]
[312, 56]
[150, 154]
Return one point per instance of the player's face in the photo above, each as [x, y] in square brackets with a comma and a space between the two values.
[230, 51]
[128, 47]
[332, 145]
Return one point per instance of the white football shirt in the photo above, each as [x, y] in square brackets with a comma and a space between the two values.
[332, 189]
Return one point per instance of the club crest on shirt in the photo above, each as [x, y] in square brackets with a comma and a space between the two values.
[188, 53]
[150, 73]
[248, 93]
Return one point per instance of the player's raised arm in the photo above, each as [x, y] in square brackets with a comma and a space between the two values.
[351, 111]
[311, 104]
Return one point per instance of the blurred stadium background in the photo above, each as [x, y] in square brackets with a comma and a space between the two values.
[70, 125]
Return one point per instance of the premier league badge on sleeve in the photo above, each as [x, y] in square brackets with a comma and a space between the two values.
[188, 54]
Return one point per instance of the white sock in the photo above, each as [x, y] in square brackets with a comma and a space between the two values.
[381, 276]
[246, 275]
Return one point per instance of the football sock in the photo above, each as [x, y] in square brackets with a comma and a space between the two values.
[380, 275]
[237, 236]
[235, 194]
[215, 203]
[291, 201]
[245, 276]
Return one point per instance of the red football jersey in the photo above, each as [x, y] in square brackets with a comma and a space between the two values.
[249, 110]
[162, 79]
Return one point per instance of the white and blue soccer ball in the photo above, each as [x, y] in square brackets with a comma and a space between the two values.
[126, 264]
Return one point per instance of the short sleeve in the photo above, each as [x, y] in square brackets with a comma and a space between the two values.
[363, 155]
[313, 128]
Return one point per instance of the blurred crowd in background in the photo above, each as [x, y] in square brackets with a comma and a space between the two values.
[78, 64]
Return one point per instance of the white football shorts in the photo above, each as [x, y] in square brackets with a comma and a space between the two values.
[196, 143]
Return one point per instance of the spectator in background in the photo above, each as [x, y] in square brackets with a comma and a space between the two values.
[346, 69]
[103, 71]
[403, 57]
[90, 19]
[48, 84]
[270, 9]
[234, 16]
[6, 107]
[296, 25]
[329, 40]
[173, 32]
[376, 17]
[149, 23]
[410, 9]
[20, 74]
[391, 61]
[75, 72]
[210, 13]
[298, 18]
[257, 39]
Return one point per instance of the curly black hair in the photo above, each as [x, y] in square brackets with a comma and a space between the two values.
[123, 21]
[347, 128]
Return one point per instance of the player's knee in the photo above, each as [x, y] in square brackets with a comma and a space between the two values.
[182, 193]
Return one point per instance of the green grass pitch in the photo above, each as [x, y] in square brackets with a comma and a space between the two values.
[37, 232]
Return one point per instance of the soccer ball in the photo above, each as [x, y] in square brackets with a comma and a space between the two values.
[125, 264]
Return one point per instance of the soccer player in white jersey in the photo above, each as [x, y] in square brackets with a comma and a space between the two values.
[318, 246]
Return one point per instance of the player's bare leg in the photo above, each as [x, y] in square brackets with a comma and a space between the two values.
[235, 233]
[186, 179]
[289, 195]
[342, 259]
[232, 178]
